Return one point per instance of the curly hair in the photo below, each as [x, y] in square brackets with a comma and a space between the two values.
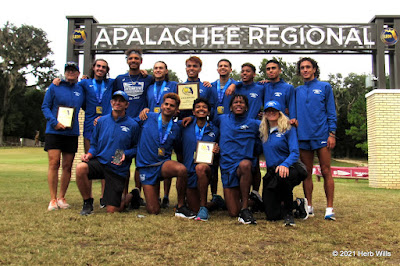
[312, 61]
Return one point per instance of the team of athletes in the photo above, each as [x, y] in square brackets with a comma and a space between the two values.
[137, 116]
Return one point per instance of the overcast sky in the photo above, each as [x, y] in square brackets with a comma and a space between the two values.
[51, 17]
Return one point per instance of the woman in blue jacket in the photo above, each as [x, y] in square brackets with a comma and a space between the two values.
[62, 136]
[281, 153]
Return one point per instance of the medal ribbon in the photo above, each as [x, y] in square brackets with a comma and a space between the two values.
[157, 97]
[199, 132]
[221, 93]
[99, 93]
[163, 139]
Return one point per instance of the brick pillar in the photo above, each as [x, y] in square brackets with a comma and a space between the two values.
[81, 148]
[383, 109]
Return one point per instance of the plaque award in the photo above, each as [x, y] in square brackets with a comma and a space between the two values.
[204, 152]
[188, 92]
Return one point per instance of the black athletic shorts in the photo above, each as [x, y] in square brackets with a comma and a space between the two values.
[67, 144]
[115, 184]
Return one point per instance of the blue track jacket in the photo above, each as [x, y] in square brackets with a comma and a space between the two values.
[66, 94]
[150, 141]
[316, 111]
[283, 93]
[189, 143]
[237, 138]
[281, 148]
[255, 93]
[110, 135]
[92, 102]
[170, 86]
[136, 88]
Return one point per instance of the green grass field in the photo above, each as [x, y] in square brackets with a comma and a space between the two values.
[367, 220]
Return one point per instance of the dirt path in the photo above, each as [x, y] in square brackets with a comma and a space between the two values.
[357, 162]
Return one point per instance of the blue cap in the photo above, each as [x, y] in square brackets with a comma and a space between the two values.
[71, 65]
[121, 93]
[272, 104]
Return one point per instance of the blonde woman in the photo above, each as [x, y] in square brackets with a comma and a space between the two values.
[281, 153]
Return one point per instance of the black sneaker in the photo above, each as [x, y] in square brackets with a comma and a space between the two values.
[102, 203]
[165, 203]
[258, 202]
[135, 201]
[185, 212]
[87, 207]
[246, 217]
[289, 220]
[301, 209]
[218, 201]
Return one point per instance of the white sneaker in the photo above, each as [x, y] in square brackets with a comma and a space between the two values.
[52, 205]
[62, 203]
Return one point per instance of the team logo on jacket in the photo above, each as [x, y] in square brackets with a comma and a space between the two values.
[278, 94]
[211, 134]
[253, 95]
[166, 89]
[317, 91]
[77, 94]
[125, 128]
[278, 135]
[244, 127]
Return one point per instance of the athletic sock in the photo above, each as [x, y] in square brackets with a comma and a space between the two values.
[329, 211]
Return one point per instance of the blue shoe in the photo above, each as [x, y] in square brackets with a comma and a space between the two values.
[202, 215]
[330, 217]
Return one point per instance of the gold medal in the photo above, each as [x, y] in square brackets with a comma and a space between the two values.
[156, 109]
[161, 152]
[99, 110]
[220, 110]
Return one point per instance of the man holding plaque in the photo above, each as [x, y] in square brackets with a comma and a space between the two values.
[160, 134]
[199, 144]
[112, 147]
[60, 107]
[238, 135]
[195, 87]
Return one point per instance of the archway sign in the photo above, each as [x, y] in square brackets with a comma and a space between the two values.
[378, 37]
[88, 37]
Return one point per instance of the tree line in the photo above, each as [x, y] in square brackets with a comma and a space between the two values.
[24, 53]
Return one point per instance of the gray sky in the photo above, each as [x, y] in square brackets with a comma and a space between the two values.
[51, 17]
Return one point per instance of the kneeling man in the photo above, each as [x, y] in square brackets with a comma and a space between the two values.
[112, 147]
[238, 134]
[160, 134]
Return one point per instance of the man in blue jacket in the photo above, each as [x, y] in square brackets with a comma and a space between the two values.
[278, 90]
[159, 136]
[238, 134]
[112, 147]
[316, 116]
[219, 88]
[199, 174]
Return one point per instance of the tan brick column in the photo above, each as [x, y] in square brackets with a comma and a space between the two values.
[81, 148]
[383, 110]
